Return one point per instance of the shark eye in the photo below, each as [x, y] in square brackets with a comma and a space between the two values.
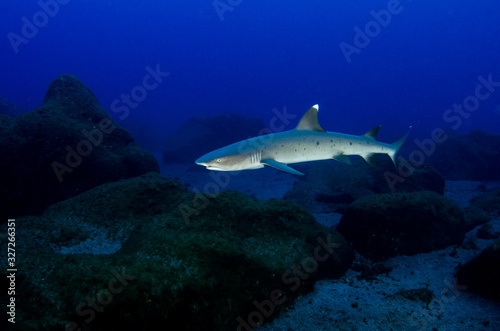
[218, 160]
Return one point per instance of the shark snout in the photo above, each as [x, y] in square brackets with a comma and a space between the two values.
[202, 160]
[207, 164]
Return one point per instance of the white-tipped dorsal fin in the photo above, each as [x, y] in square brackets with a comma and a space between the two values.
[309, 122]
[373, 133]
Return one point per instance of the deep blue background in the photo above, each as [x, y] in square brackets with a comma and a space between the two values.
[264, 55]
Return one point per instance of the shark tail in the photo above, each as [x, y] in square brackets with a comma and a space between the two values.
[396, 146]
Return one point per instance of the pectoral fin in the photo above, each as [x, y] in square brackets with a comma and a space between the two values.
[280, 166]
[342, 158]
[370, 158]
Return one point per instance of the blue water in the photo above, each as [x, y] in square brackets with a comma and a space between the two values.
[155, 64]
[250, 57]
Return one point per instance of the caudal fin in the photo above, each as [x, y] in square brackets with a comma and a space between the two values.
[397, 146]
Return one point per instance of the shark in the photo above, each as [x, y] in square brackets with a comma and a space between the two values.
[307, 142]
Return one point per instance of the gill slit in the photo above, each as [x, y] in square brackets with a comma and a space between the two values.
[256, 157]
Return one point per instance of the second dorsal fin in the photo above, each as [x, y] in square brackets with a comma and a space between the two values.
[373, 133]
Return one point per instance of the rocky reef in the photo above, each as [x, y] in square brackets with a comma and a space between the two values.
[386, 225]
[122, 255]
[471, 156]
[8, 108]
[481, 274]
[330, 186]
[63, 148]
[483, 209]
[202, 134]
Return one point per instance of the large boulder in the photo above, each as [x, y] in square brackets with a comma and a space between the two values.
[482, 209]
[481, 275]
[122, 255]
[330, 186]
[471, 156]
[65, 147]
[202, 134]
[386, 225]
[8, 108]
[387, 179]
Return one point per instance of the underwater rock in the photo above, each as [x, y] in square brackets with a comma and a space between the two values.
[420, 294]
[334, 185]
[481, 274]
[369, 270]
[126, 248]
[486, 231]
[482, 209]
[63, 148]
[471, 156]
[423, 178]
[329, 186]
[7, 108]
[386, 225]
[202, 134]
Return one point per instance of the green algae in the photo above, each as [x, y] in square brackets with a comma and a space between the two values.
[386, 225]
[201, 274]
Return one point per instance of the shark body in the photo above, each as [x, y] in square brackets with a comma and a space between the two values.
[307, 142]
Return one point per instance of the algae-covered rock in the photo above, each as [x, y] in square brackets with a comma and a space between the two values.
[481, 274]
[121, 255]
[469, 156]
[486, 231]
[385, 225]
[330, 186]
[8, 108]
[423, 178]
[63, 148]
[483, 209]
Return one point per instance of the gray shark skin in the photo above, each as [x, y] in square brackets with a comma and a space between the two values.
[307, 142]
